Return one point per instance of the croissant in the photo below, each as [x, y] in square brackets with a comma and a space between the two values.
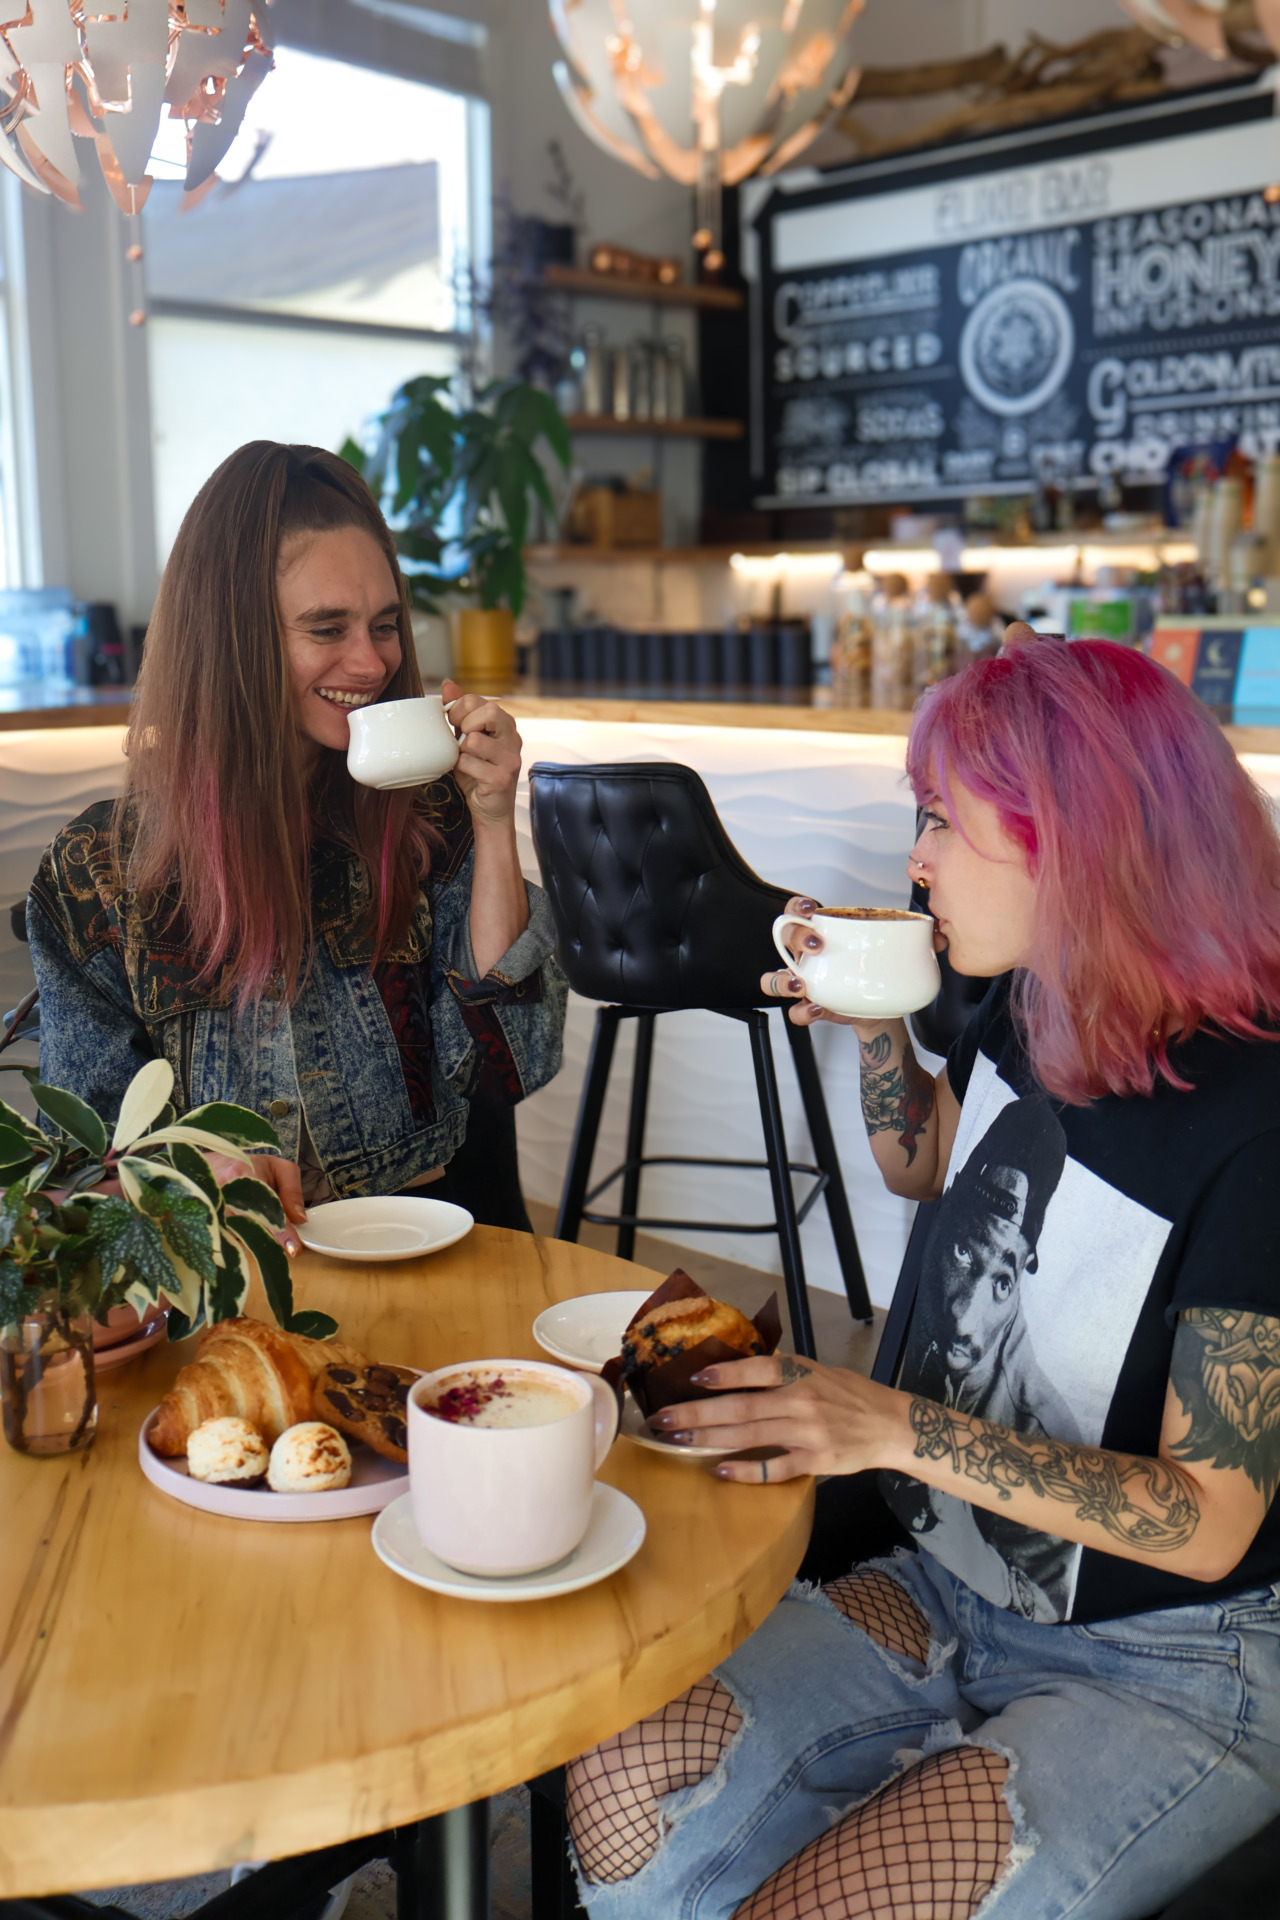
[247, 1369]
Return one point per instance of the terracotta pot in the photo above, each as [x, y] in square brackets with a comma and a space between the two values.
[124, 1324]
[484, 648]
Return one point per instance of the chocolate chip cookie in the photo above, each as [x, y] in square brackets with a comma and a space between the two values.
[367, 1403]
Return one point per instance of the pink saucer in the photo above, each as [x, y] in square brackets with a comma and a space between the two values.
[105, 1358]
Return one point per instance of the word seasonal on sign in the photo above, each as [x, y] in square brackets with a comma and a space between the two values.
[1087, 311]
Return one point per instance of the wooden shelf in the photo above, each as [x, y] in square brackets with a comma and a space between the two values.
[606, 286]
[687, 429]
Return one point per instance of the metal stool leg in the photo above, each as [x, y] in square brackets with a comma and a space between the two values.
[443, 1872]
[784, 1206]
[824, 1147]
[553, 1888]
[626, 1248]
[591, 1106]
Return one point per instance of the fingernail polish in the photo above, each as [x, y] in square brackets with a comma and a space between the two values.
[722, 1473]
[813, 943]
[662, 1420]
[808, 906]
[793, 983]
[682, 1439]
[707, 1378]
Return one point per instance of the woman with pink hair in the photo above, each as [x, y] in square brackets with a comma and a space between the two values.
[1061, 1694]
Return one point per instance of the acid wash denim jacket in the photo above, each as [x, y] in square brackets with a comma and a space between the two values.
[381, 1059]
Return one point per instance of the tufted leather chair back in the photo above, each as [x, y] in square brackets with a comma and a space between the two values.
[654, 906]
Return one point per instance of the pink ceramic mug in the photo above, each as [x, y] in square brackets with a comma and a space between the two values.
[511, 1498]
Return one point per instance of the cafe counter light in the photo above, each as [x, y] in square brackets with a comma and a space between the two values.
[1042, 562]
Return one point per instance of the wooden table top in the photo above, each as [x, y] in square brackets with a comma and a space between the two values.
[180, 1691]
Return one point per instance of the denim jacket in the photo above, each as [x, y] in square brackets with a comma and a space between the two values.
[380, 1059]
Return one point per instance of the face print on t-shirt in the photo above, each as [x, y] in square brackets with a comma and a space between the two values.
[1032, 1281]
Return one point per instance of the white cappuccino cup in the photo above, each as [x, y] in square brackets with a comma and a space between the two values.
[401, 743]
[874, 964]
[503, 1484]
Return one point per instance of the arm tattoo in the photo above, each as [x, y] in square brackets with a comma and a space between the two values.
[1145, 1503]
[895, 1099]
[793, 1369]
[1226, 1373]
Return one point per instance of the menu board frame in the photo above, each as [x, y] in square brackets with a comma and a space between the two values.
[1077, 301]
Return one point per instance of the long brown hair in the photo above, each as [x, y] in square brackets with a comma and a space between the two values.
[218, 811]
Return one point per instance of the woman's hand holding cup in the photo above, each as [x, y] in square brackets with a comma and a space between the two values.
[787, 985]
[488, 769]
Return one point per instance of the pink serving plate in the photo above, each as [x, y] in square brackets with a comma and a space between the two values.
[375, 1483]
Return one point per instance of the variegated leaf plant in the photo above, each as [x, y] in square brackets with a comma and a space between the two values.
[171, 1232]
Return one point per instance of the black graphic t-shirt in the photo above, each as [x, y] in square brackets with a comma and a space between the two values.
[1064, 1246]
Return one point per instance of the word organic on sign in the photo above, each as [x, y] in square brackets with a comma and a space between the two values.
[944, 339]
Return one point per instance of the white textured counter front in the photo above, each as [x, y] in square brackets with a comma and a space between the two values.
[822, 813]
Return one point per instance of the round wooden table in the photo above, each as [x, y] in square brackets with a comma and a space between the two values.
[180, 1691]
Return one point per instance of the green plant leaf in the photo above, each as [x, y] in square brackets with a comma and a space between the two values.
[71, 1114]
[255, 1197]
[15, 1152]
[536, 414]
[145, 1097]
[183, 1216]
[224, 1299]
[10, 1117]
[192, 1164]
[272, 1263]
[129, 1247]
[316, 1326]
[238, 1124]
[181, 1324]
[353, 454]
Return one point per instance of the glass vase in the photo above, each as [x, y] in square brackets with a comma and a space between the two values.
[47, 1388]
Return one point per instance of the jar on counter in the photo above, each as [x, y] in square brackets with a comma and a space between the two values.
[937, 616]
[892, 644]
[851, 645]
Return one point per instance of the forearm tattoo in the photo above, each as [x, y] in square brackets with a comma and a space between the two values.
[895, 1099]
[1225, 1371]
[1143, 1503]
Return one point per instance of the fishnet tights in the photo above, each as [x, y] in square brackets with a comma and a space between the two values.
[926, 1847]
[612, 1792]
[877, 1604]
[929, 1846]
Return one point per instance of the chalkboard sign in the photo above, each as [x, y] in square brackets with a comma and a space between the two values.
[1091, 299]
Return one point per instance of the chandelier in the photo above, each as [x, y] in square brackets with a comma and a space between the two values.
[67, 73]
[706, 91]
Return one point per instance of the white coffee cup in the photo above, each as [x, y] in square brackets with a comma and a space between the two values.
[510, 1499]
[401, 743]
[874, 964]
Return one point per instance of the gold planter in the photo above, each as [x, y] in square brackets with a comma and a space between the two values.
[484, 649]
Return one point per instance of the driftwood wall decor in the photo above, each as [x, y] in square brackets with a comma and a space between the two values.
[999, 90]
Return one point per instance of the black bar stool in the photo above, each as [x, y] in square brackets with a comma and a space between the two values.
[655, 909]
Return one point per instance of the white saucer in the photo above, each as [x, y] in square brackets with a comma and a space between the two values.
[395, 1227]
[374, 1483]
[587, 1331]
[633, 1426]
[614, 1535]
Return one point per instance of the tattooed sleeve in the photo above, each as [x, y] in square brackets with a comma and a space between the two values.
[895, 1099]
[1226, 1373]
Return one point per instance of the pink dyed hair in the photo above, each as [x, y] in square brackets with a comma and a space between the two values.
[1155, 857]
[220, 807]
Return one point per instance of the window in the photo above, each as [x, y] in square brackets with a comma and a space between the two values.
[318, 274]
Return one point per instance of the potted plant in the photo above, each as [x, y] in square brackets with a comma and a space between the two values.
[90, 1221]
[458, 487]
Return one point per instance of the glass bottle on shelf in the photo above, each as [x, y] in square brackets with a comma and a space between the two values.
[591, 371]
[620, 384]
[937, 610]
[660, 380]
[677, 379]
[641, 381]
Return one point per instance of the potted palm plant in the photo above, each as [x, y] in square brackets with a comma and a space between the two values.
[458, 486]
[91, 1220]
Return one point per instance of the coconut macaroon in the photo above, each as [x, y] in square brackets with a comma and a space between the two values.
[309, 1458]
[227, 1452]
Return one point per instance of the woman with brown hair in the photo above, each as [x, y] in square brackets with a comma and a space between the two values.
[353, 964]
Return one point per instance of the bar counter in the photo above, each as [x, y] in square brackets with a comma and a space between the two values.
[815, 799]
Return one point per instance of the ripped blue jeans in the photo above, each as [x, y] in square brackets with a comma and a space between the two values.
[1140, 1750]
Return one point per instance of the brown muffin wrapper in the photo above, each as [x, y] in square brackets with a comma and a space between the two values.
[671, 1383]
